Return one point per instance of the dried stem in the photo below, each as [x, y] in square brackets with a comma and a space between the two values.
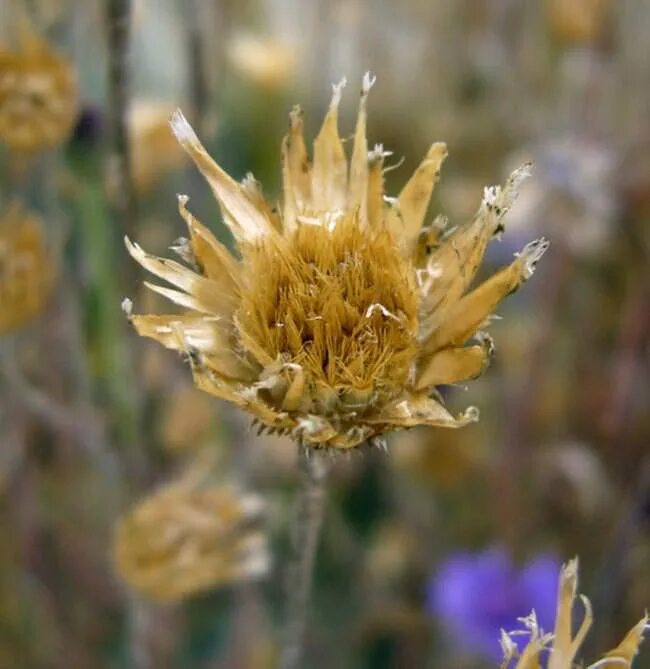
[307, 523]
[119, 23]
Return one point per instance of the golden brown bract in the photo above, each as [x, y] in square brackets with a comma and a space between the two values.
[561, 647]
[38, 95]
[343, 313]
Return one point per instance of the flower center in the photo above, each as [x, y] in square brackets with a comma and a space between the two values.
[337, 300]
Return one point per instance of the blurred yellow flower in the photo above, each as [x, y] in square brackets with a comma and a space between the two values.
[26, 268]
[188, 537]
[265, 62]
[580, 21]
[343, 313]
[561, 645]
[38, 94]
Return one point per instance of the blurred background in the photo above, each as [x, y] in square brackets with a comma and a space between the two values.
[428, 550]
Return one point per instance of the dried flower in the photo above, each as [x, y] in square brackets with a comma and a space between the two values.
[562, 645]
[38, 94]
[477, 595]
[342, 315]
[188, 537]
[26, 269]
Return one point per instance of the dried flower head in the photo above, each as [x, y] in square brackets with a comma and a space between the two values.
[26, 269]
[38, 94]
[188, 537]
[561, 645]
[342, 315]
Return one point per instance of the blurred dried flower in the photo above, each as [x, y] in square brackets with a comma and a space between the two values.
[38, 94]
[267, 63]
[154, 152]
[26, 268]
[188, 537]
[344, 313]
[577, 21]
[561, 644]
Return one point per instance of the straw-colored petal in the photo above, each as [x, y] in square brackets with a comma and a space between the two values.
[405, 220]
[452, 264]
[358, 186]
[290, 205]
[375, 191]
[200, 331]
[410, 410]
[195, 333]
[253, 190]
[330, 171]
[465, 317]
[203, 293]
[567, 589]
[626, 651]
[298, 166]
[244, 218]
[211, 256]
[451, 365]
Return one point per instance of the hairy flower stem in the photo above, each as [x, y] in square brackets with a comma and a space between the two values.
[306, 529]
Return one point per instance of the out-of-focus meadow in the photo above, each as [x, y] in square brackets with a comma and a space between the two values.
[427, 550]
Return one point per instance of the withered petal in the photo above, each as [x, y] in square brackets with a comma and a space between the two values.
[330, 171]
[246, 221]
[466, 316]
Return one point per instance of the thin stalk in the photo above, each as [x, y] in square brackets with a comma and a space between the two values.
[119, 37]
[313, 470]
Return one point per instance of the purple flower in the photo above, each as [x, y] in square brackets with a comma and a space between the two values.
[475, 595]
